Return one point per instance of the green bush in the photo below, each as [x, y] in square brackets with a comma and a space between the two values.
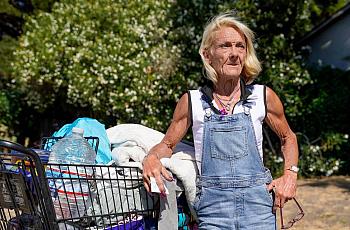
[8, 107]
[321, 158]
[110, 57]
[324, 122]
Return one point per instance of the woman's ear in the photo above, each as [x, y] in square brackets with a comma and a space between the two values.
[206, 56]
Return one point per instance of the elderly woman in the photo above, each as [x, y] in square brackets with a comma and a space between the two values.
[234, 189]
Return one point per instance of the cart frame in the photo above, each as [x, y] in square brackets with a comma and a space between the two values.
[110, 179]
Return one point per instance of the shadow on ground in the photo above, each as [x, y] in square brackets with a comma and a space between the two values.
[326, 203]
[340, 182]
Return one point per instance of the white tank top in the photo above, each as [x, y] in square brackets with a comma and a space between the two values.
[258, 112]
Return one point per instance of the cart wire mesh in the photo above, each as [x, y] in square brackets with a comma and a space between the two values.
[98, 196]
[35, 194]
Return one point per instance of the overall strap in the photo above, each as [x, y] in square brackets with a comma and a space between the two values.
[207, 102]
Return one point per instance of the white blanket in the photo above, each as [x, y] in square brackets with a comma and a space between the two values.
[133, 141]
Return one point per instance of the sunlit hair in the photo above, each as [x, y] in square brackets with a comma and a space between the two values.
[251, 67]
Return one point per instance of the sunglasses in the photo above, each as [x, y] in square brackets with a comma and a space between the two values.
[298, 217]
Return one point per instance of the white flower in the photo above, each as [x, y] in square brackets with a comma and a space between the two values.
[329, 172]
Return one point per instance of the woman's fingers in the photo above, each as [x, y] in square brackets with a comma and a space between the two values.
[271, 186]
[276, 205]
[152, 168]
[146, 184]
[166, 174]
[157, 178]
[160, 184]
[284, 188]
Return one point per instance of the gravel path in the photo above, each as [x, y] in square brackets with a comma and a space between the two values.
[326, 203]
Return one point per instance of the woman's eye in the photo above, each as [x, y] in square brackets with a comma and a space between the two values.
[225, 45]
[228, 45]
[241, 46]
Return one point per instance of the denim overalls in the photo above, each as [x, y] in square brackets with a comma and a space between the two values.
[232, 191]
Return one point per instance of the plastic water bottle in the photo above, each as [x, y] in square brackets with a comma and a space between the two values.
[71, 192]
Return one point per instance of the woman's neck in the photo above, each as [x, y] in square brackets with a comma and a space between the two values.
[228, 88]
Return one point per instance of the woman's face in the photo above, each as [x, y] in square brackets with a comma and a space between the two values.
[227, 53]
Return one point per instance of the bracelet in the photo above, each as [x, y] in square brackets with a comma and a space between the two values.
[168, 144]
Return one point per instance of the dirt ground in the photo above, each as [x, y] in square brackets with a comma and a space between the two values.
[326, 204]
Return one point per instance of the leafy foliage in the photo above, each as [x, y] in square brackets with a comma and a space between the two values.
[17, 120]
[324, 120]
[102, 55]
[5, 7]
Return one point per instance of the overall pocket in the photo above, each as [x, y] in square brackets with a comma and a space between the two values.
[269, 194]
[228, 143]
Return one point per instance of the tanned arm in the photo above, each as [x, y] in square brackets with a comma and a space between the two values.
[285, 186]
[152, 166]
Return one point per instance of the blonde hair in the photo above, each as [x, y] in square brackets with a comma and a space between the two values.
[252, 66]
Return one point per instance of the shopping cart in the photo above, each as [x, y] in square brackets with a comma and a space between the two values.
[25, 202]
[111, 197]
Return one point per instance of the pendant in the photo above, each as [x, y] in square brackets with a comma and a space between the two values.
[223, 111]
[227, 108]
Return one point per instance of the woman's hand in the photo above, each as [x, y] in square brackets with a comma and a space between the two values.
[152, 167]
[285, 188]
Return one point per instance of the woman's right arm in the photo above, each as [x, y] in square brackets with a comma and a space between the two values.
[152, 166]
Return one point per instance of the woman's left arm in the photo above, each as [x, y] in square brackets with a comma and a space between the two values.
[285, 186]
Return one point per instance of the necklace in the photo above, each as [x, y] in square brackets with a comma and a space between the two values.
[225, 107]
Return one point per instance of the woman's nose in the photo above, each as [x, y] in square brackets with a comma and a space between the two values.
[233, 52]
